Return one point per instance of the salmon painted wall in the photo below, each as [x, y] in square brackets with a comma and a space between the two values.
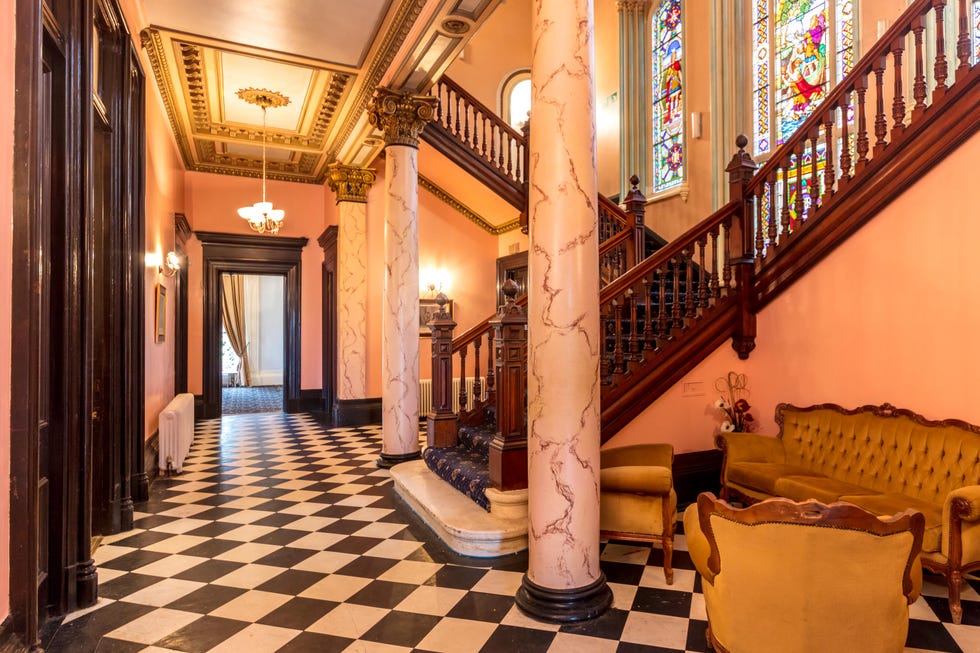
[888, 317]
[212, 203]
[7, 40]
[448, 242]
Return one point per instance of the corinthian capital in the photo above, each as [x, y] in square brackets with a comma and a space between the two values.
[349, 183]
[631, 6]
[401, 116]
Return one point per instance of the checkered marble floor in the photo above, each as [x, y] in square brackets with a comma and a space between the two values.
[283, 535]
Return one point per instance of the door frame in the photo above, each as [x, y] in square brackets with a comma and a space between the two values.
[248, 254]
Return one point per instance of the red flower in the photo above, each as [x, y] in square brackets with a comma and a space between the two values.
[741, 406]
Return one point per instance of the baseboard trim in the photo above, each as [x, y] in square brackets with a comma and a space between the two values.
[151, 457]
[309, 401]
[357, 412]
[10, 640]
[696, 472]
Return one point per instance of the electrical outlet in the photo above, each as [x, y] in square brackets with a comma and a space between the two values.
[692, 389]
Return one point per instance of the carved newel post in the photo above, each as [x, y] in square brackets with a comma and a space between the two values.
[742, 246]
[441, 422]
[636, 203]
[508, 449]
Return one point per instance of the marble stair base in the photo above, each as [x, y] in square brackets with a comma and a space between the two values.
[465, 527]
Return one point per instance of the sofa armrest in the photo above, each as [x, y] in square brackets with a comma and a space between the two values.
[636, 479]
[965, 502]
[961, 525]
[697, 544]
[751, 448]
[648, 454]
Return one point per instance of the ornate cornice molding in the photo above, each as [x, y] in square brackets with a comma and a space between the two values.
[349, 183]
[401, 25]
[153, 44]
[466, 211]
[401, 116]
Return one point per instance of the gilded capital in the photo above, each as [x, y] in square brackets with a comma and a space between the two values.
[349, 183]
[631, 6]
[401, 116]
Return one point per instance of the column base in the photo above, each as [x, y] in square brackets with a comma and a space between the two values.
[389, 460]
[87, 584]
[564, 606]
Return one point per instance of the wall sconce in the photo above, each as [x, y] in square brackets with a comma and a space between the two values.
[434, 281]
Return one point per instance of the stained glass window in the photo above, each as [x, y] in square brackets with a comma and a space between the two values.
[976, 31]
[668, 97]
[801, 49]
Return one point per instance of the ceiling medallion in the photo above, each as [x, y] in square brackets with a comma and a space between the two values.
[455, 26]
[261, 216]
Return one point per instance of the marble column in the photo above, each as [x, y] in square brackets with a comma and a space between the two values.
[351, 185]
[401, 117]
[563, 581]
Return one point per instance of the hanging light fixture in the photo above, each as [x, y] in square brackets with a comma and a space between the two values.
[261, 216]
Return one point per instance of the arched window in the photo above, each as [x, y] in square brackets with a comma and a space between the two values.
[668, 96]
[515, 98]
[801, 49]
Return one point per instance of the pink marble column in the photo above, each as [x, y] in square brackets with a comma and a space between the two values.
[401, 117]
[563, 581]
[350, 185]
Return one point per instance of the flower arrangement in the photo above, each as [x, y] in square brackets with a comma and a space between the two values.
[733, 403]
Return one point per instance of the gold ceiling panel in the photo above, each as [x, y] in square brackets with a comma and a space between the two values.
[194, 74]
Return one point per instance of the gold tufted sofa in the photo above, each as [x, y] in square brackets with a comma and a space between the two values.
[880, 458]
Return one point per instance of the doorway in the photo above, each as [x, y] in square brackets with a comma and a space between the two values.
[252, 343]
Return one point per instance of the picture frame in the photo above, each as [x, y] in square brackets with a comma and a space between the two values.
[161, 313]
[428, 308]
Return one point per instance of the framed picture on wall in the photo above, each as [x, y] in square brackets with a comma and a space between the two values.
[428, 308]
[161, 313]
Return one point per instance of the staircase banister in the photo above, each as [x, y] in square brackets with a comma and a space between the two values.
[475, 332]
[614, 209]
[488, 113]
[672, 249]
[899, 29]
[618, 239]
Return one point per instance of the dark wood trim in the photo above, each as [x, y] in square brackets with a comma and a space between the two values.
[510, 263]
[696, 472]
[182, 232]
[247, 254]
[328, 242]
[357, 412]
[310, 401]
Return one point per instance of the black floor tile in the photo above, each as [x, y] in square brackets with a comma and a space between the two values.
[291, 581]
[511, 639]
[202, 635]
[382, 594]
[298, 613]
[314, 642]
[401, 628]
[670, 602]
[206, 599]
[482, 607]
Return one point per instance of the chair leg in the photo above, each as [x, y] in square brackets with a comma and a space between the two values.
[668, 545]
[707, 636]
[955, 581]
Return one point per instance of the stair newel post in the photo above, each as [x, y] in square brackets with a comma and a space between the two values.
[636, 204]
[441, 422]
[740, 172]
[508, 450]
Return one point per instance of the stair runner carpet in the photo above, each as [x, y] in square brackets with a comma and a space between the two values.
[466, 466]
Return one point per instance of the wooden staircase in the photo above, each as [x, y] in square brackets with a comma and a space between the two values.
[664, 313]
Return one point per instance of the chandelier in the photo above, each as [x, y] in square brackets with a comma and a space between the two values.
[261, 217]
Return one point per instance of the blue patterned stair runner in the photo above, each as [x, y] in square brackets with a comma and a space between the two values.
[466, 466]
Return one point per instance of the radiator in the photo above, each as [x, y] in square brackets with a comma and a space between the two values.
[425, 394]
[176, 432]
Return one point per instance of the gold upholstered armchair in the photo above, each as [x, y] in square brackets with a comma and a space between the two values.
[805, 577]
[637, 500]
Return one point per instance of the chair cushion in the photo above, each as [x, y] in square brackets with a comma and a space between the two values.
[891, 504]
[638, 479]
[763, 476]
[821, 488]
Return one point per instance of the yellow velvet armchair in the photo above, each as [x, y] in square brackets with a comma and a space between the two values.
[781, 576]
[637, 500]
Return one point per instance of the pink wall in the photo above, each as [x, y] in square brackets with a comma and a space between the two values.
[7, 38]
[212, 203]
[888, 317]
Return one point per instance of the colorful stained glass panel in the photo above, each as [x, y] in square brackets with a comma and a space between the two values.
[976, 31]
[845, 37]
[760, 70]
[668, 102]
[801, 58]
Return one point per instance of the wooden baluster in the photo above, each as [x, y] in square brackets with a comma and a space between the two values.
[491, 378]
[690, 294]
[898, 101]
[525, 151]
[477, 131]
[963, 41]
[798, 203]
[863, 143]
[881, 125]
[784, 212]
[633, 352]
[436, 92]
[648, 331]
[676, 314]
[773, 213]
[618, 360]
[462, 379]
[456, 105]
[941, 69]
[494, 152]
[703, 274]
[760, 238]
[814, 176]
[727, 266]
[663, 324]
[828, 172]
[477, 381]
[715, 290]
[919, 86]
[606, 362]
[845, 154]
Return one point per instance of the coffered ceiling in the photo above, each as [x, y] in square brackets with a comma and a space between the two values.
[326, 56]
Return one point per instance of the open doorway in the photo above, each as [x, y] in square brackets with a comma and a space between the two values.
[252, 343]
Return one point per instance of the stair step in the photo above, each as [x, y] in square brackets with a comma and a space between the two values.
[464, 469]
[477, 438]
